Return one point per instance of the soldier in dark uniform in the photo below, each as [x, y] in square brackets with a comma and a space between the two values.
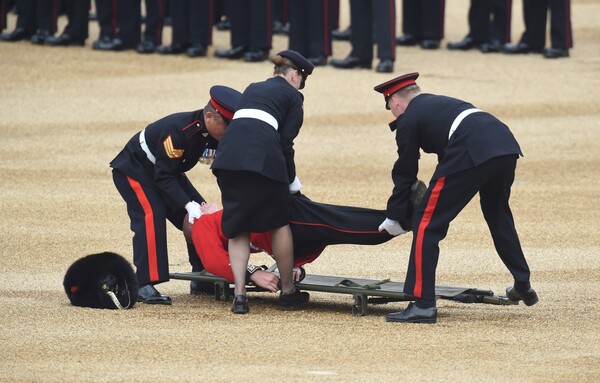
[256, 172]
[422, 23]
[150, 176]
[153, 27]
[533, 40]
[489, 26]
[192, 27]
[310, 29]
[120, 25]
[251, 30]
[477, 153]
[77, 30]
[36, 20]
[366, 17]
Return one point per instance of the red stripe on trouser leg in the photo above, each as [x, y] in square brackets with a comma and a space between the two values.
[150, 234]
[429, 209]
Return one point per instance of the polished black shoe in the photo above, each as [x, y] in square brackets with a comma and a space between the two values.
[233, 53]
[64, 40]
[196, 50]
[148, 294]
[490, 47]
[172, 49]
[521, 48]
[256, 56]
[462, 45]
[554, 53]
[528, 297]
[240, 305]
[336, 34]
[104, 43]
[385, 66]
[120, 45]
[17, 35]
[351, 62]
[318, 61]
[414, 314]
[406, 40]
[202, 288]
[430, 44]
[293, 299]
[40, 37]
[146, 47]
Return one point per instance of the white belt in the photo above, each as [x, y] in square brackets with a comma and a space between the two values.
[459, 119]
[258, 115]
[145, 147]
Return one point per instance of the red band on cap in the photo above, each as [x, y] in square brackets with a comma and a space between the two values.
[399, 86]
[228, 114]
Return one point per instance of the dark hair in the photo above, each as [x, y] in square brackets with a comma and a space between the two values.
[282, 64]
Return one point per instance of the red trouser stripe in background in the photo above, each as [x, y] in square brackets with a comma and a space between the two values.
[150, 235]
[429, 209]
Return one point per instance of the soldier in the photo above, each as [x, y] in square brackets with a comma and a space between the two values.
[120, 25]
[251, 31]
[489, 26]
[155, 20]
[150, 176]
[77, 30]
[192, 28]
[365, 15]
[422, 23]
[256, 172]
[310, 29]
[534, 38]
[36, 21]
[477, 153]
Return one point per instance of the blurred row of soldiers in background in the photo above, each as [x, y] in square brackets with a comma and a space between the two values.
[310, 24]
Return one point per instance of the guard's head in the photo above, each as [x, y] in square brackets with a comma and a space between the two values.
[224, 100]
[104, 281]
[395, 85]
[294, 60]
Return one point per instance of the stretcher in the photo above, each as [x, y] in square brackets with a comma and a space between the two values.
[364, 291]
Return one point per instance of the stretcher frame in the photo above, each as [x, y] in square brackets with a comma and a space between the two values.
[364, 291]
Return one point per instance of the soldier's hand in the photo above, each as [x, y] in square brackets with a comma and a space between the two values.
[193, 209]
[265, 279]
[392, 227]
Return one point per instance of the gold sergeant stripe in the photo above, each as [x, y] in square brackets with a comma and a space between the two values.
[170, 150]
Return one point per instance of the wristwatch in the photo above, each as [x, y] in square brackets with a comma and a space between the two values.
[251, 269]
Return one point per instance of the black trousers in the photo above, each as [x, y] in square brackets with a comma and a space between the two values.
[368, 16]
[535, 14]
[423, 19]
[78, 19]
[251, 24]
[155, 18]
[490, 20]
[444, 199]
[37, 15]
[310, 27]
[192, 22]
[4, 8]
[317, 225]
[148, 213]
[120, 19]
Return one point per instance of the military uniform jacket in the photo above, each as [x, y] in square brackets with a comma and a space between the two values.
[251, 144]
[176, 142]
[426, 125]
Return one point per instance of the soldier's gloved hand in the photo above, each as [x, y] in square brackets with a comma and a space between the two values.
[295, 186]
[392, 227]
[193, 209]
